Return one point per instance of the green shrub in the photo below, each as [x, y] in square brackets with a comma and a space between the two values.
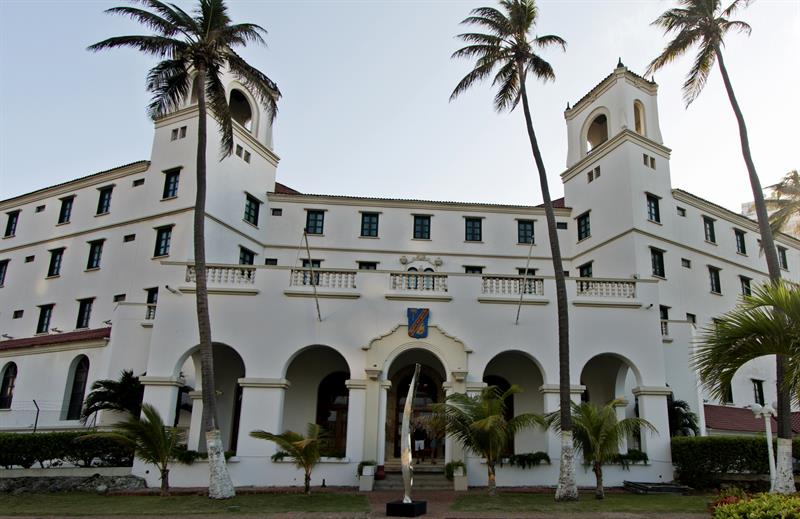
[528, 459]
[56, 448]
[367, 463]
[450, 469]
[761, 506]
[632, 456]
[702, 461]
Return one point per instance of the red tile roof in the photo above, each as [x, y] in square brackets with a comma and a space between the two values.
[55, 338]
[285, 190]
[558, 203]
[739, 419]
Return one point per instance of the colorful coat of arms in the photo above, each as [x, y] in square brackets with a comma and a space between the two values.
[418, 322]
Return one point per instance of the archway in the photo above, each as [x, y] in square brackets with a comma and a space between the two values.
[241, 111]
[638, 118]
[597, 133]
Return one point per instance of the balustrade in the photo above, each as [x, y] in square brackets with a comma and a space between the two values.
[606, 288]
[224, 275]
[511, 285]
[418, 281]
[323, 278]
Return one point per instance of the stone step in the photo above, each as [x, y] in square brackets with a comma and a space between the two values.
[421, 482]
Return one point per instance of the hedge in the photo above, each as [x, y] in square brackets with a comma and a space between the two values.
[762, 506]
[52, 449]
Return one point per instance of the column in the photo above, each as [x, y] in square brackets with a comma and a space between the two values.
[356, 412]
[371, 405]
[383, 399]
[619, 409]
[162, 393]
[653, 408]
[262, 408]
[552, 403]
[196, 441]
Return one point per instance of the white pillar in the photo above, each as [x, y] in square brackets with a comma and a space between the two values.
[356, 412]
[196, 423]
[383, 399]
[653, 408]
[619, 409]
[262, 408]
[162, 393]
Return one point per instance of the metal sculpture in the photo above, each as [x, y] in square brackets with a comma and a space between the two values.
[406, 456]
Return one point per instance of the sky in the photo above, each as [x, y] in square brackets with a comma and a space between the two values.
[365, 107]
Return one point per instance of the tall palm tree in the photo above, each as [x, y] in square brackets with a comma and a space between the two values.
[599, 434]
[196, 49]
[704, 23]
[304, 450]
[510, 48]
[123, 395]
[786, 203]
[479, 424]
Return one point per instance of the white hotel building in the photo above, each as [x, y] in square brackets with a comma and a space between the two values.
[96, 276]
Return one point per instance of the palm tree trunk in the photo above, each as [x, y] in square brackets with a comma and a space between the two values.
[164, 482]
[567, 489]
[492, 484]
[784, 480]
[307, 483]
[220, 485]
[599, 492]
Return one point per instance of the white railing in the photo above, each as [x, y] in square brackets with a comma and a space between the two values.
[606, 288]
[224, 275]
[665, 328]
[511, 285]
[323, 278]
[150, 312]
[418, 281]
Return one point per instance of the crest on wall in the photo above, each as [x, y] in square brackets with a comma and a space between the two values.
[418, 322]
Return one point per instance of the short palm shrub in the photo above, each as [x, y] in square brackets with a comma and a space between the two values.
[304, 450]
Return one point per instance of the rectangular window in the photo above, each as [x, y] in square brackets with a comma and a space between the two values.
[782, 260]
[95, 253]
[473, 270]
[315, 221]
[367, 265]
[183, 132]
[128, 237]
[561, 226]
[171, 181]
[681, 211]
[713, 276]
[11, 224]
[657, 262]
[29, 259]
[663, 312]
[277, 212]
[152, 301]
[104, 200]
[163, 240]
[270, 261]
[174, 135]
[246, 157]
[314, 263]
[472, 229]
[758, 391]
[18, 314]
[708, 227]
[584, 228]
[524, 231]
[686, 263]
[727, 394]
[691, 318]
[246, 256]
[585, 270]
[741, 248]
[119, 298]
[652, 163]
[65, 213]
[138, 182]
[653, 212]
[54, 269]
[40, 208]
[422, 227]
[84, 312]
[644, 159]
[369, 225]
[3, 270]
[251, 208]
[745, 283]
[528, 272]
[45, 313]
[593, 174]
[239, 150]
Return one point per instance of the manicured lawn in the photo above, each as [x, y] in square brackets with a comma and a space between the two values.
[518, 502]
[92, 504]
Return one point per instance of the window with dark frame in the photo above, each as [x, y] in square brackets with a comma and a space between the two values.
[367, 265]
[745, 284]
[29, 259]
[525, 231]
[18, 314]
[84, 312]
[138, 182]
[584, 227]
[95, 254]
[708, 228]
[653, 212]
[11, 224]
[691, 318]
[473, 229]
[163, 241]
[252, 206]
[152, 302]
[681, 211]
[311, 264]
[663, 312]
[246, 256]
[128, 238]
[40, 208]
[713, 275]
[782, 260]
[657, 262]
[65, 212]
[271, 261]
[119, 298]
[686, 263]
[471, 269]
[422, 227]
[561, 226]
[78, 390]
[172, 180]
[9, 380]
[369, 225]
[758, 391]
[3, 271]
[45, 314]
[585, 270]
[54, 268]
[104, 200]
[276, 211]
[727, 394]
[741, 247]
[315, 221]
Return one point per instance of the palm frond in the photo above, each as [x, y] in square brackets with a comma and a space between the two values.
[674, 50]
[549, 40]
[481, 71]
[169, 83]
[508, 93]
[159, 46]
[218, 106]
[698, 75]
[242, 34]
[261, 86]
[148, 19]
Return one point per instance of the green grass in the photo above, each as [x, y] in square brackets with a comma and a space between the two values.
[518, 502]
[92, 504]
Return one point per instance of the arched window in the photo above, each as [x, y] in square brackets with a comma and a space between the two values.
[598, 132]
[78, 389]
[7, 387]
[241, 112]
[638, 118]
[332, 399]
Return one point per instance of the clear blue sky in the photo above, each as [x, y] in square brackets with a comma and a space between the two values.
[365, 106]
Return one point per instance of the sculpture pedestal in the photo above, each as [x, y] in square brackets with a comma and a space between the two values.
[401, 509]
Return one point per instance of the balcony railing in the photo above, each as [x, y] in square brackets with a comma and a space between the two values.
[418, 282]
[511, 285]
[224, 274]
[150, 312]
[606, 288]
[665, 328]
[323, 278]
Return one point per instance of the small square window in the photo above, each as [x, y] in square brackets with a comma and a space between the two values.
[422, 227]
[39, 208]
[471, 269]
[686, 263]
[681, 211]
[561, 226]
[277, 212]
[183, 132]
[585, 270]
[174, 135]
[239, 150]
[247, 157]
[128, 237]
[315, 221]
[367, 265]
[138, 182]
[119, 298]
[29, 259]
[18, 314]
[246, 256]
[691, 318]
[270, 261]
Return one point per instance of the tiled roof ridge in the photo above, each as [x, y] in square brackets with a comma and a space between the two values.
[598, 85]
[56, 338]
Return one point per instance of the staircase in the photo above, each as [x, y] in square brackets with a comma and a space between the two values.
[427, 476]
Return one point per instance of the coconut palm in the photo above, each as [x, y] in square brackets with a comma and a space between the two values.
[304, 450]
[510, 48]
[479, 424]
[123, 395]
[682, 421]
[598, 434]
[195, 50]
[704, 24]
[786, 202]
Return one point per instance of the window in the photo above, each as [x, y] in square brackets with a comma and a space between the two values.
[758, 391]
[727, 394]
[11, 224]
[472, 229]
[422, 227]
[561, 225]
[54, 269]
[128, 238]
[65, 213]
[657, 262]
[369, 225]
[40, 208]
[585, 270]
[473, 270]
[784, 264]
[277, 212]
[251, 208]
[525, 231]
[593, 174]
[315, 221]
[95, 253]
[3, 271]
[713, 275]
[138, 182]
[584, 228]
[18, 314]
[708, 227]
[246, 256]
[741, 248]
[246, 156]
[653, 212]
[174, 135]
[312, 264]
[80, 376]
[270, 261]
[7, 386]
[663, 312]
[119, 298]
[745, 284]
[239, 150]
[29, 259]
[649, 161]
[681, 211]
[152, 302]
[104, 200]
[686, 263]
[84, 312]
[45, 313]
[178, 133]
[367, 265]
[163, 240]
[526, 272]
[691, 318]
[171, 181]
[183, 132]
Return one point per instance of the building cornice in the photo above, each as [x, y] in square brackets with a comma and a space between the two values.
[620, 73]
[625, 135]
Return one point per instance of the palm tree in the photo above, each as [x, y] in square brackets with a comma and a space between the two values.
[123, 395]
[304, 450]
[786, 202]
[704, 23]
[598, 434]
[682, 421]
[510, 48]
[479, 424]
[194, 50]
